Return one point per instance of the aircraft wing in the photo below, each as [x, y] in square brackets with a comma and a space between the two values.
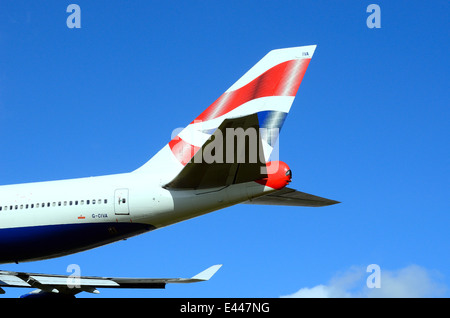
[291, 197]
[68, 286]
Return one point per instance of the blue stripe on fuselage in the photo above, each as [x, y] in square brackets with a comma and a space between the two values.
[47, 241]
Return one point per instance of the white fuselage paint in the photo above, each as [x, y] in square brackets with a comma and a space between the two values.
[69, 202]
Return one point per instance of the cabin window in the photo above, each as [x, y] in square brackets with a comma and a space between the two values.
[53, 204]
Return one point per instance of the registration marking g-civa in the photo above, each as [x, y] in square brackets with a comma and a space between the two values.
[99, 215]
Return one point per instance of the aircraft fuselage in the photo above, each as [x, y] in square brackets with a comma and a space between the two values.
[51, 219]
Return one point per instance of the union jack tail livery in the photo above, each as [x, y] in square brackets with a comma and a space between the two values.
[268, 90]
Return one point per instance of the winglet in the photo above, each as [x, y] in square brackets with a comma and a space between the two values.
[207, 273]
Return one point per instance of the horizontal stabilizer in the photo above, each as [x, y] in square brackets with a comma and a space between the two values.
[291, 197]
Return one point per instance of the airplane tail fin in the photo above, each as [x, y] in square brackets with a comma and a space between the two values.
[268, 89]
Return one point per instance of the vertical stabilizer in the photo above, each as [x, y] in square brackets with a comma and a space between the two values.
[268, 89]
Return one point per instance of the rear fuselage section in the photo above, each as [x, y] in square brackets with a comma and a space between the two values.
[56, 218]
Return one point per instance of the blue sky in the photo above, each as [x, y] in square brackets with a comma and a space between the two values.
[369, 127]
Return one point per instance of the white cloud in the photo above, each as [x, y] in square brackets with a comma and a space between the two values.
[411, 281]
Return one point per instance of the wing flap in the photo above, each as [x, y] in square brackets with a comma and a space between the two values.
[11, 280]
[68, 280]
